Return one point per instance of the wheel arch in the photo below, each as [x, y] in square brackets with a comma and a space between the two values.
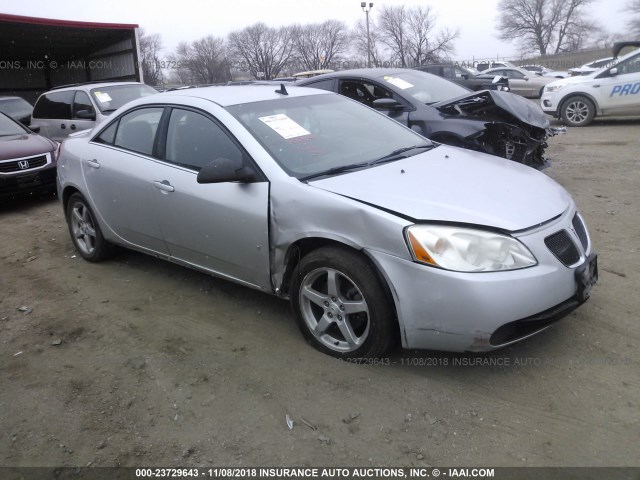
[66, 195]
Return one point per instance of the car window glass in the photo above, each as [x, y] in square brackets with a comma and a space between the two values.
[514, 74]
[459, 73]
[54, 105]
[194, 141]
[363, 91]
[447, 72]
[630, 65]
[137, 130]
[323, 84]
[108, 135]
[82, 103]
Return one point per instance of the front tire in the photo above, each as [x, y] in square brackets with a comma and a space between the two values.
[85, 231]
[578, 111]
[341, 305]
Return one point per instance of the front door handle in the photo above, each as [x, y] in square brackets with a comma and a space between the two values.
[164, 185]
[93, 163]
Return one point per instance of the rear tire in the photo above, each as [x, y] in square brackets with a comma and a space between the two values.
[341, 305]
[85, 231]
[578, 111]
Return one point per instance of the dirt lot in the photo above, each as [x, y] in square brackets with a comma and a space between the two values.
[140, 362]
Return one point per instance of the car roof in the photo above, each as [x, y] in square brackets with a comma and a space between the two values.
[90, 86]
[359, 72]
[238, 94]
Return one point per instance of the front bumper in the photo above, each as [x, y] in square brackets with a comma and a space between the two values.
[30, 182]
[442, 310]
[550, 103]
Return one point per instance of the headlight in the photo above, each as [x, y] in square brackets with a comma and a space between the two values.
[466, 249]
[555, 88]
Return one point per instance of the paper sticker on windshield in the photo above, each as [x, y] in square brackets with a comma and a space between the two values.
[284, 126]
[102, 97]
[398, 82]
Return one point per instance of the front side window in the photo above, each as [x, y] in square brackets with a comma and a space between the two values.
[363, 91]
[194, 141]
[56, 105]
[630, 65]
[82, 105]
[137, 130]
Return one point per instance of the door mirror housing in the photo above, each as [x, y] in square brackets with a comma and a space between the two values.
[386, 104]
[526, 77]
[34, 128]
[223, 170]
[86, 115]
[613, 71]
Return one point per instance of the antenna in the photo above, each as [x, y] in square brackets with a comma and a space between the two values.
[282, 90]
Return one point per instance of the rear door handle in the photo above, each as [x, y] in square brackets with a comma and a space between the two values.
[164, 185]
[73, 126]
[93, 163]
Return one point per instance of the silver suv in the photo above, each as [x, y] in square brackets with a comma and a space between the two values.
[64, 110]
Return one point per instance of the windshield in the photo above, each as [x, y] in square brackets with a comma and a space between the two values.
[424, 87]
[15, 107]
[10, 127]
[314, 134]
[112, 97]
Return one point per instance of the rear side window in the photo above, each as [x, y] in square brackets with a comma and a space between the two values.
[137, 130]
[326, 84]
[54, 105]
[194, 141]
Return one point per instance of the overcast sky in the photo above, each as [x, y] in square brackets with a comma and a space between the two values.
[193, 19]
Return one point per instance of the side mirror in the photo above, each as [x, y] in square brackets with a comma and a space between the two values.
[86, 115]
[223, 170]
[386, 104]
[465, 76]
[526, 78]
[34, 128]
[613, 71]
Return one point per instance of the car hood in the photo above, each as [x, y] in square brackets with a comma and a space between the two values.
[456, 185]
[514, 105]
[18, 146]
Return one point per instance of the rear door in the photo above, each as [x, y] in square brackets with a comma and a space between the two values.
[119, 167]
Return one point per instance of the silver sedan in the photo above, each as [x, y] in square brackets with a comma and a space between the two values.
[522, 81]
[372, 232]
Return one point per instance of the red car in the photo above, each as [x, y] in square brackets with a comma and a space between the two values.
[27, 160]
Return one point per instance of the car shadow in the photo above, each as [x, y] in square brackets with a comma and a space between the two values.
[24, 204]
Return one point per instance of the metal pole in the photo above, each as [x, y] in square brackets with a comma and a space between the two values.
[368, 42]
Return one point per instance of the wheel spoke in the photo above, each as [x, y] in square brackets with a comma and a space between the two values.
[355, 307]
[85, 214]
[332, 283]
[314, 297]
[348, 333]
[78, 233]
[77, 216]
[91, 231]
[322, 325]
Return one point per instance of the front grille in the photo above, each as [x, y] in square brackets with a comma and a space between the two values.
[581, 231]
[14, 165]
[563, 248]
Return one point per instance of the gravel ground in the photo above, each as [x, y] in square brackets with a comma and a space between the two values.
[140, 362]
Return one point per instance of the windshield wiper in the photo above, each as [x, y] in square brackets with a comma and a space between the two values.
[335, 171]
[401, 153]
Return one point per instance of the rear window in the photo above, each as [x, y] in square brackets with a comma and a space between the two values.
[54, 105]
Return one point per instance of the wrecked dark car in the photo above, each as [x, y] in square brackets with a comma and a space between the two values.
[495, 122]
[466, 78]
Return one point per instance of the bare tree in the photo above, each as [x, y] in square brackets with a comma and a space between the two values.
[317, 45]
[203, 61]
[544, 25]
[150, 47]
[360, 44]
[410, 33]
[634, 23]
[262, 50]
